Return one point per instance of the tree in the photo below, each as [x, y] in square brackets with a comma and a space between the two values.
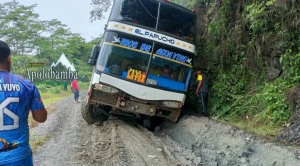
[19, 25]
[57, 32]
[55, 40]
[75, 46]
[99, 7]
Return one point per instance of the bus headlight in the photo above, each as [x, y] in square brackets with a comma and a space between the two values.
[172, 104]
[106, 88]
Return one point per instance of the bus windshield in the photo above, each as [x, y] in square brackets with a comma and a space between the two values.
[177, 22]
[142, 12]
[135, 59]
[170, 19]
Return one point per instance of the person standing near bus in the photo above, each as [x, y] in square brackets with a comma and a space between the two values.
[17, 97]
[202, 91]
[75, 88]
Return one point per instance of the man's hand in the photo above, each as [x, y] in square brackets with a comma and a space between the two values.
[40, 115]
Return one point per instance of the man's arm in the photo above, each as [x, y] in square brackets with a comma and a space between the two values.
[40, 115]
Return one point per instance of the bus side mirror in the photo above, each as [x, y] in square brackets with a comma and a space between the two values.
[94, 55]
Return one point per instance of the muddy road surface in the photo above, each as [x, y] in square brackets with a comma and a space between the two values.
[70, 141]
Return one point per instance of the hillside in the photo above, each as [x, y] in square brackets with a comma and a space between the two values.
[255, 46]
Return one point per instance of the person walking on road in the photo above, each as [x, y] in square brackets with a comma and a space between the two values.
[202, 91]
[17, 97]
[75, 88]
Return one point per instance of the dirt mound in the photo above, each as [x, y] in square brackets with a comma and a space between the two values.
[221, 144]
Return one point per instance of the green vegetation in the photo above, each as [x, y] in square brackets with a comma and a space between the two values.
[34, 40]
[256, 48]
[45, 40]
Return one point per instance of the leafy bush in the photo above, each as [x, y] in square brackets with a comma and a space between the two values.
[291, 63]
[83, 85]
[276, 110]
[228, 87]
[267, 106]
[56, 90]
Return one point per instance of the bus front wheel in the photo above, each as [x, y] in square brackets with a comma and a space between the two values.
[91, 114]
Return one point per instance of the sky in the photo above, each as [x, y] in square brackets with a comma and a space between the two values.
[74, 13]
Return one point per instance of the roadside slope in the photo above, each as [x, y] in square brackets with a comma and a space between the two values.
[221, 144]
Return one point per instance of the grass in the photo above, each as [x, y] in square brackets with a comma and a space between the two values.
[83, 85]
[253, 127]
[37, 141]
[49, 97]
[261, 130]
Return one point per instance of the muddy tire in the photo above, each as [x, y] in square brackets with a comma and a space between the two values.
[87, 112]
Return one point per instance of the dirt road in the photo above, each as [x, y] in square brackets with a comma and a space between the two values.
[193, 141]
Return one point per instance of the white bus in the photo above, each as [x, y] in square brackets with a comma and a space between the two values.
[144, 62]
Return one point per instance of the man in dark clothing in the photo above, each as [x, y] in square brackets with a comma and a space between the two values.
[202, 91]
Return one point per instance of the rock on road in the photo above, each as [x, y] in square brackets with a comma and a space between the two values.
[192, 141]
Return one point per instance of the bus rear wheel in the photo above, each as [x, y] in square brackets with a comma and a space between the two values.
[91, 114]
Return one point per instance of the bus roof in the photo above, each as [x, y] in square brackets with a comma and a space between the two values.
[176, 6]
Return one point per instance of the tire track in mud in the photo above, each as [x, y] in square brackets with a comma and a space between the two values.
[62, 128]
[105, 147]
[115, 142]
[120, 143]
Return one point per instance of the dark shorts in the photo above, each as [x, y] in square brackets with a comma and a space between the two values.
[24, 162]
